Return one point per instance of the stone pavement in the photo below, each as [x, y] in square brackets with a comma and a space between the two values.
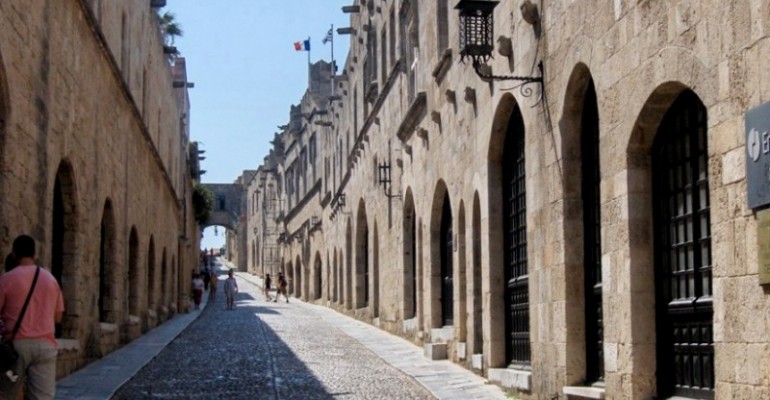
[272, 350]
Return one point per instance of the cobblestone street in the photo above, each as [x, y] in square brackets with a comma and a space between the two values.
[267, 350]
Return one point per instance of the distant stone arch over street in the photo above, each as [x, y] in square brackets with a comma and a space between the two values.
[226, 210]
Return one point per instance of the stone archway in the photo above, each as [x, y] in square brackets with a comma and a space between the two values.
[289, 274]
[348, 267]
[64, 245]
[151, 277]
[297, 286]
[134, 274]
[508, 272]
[375, 275]
[164, 278]
[362, 268]
[335, 278]
[477, 314]
[579, 128]
[108, 296]
[673, 118]
[317, 277]
[409, 251]
[461, 294]
[441, 289]
[151, 317]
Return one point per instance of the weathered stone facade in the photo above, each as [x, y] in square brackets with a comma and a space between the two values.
[94, 165]
[601, 234]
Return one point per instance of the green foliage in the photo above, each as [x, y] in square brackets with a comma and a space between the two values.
[203, 203]
[169, 27]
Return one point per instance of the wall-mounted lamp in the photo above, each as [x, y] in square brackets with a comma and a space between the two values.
[384, 174]
[384, 180]
[476, 42]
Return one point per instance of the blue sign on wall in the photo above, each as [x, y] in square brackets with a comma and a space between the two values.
[758, 155]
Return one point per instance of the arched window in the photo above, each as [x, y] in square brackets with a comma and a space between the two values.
[592, 243]
[683, 266]
[515, 241]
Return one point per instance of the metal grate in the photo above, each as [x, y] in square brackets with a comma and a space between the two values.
[515, 192]
[683, 252]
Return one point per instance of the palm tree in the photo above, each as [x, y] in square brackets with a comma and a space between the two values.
[169, 27]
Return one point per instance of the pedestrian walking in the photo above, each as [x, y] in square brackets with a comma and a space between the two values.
[197, 290]
[31, 302]
[282, 285]
[213, 290]
[206, 278]
[268, 282]
[231, 288]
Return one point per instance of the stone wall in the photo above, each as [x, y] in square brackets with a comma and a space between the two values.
[74, 125]
[444, 130]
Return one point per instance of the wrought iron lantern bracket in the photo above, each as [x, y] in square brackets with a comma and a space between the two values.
[476, 43]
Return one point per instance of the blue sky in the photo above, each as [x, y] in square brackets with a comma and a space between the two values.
[247, 74]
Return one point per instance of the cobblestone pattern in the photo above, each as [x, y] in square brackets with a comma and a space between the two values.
[266, 350]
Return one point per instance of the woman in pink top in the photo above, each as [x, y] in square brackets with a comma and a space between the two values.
[35, 341]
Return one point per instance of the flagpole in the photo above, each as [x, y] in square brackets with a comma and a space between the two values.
[308, 62]
[333, 71]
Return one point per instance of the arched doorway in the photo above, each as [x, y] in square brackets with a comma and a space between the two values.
[298, 278]
[107, 274]
[348, 267]
[478, 337]
[447, 264]
[375, 273]
[409, 244]
[318, 277]
[151, 292]
[329, 277]
[682, 248]
[362, 258]
[442, 259]
[462, 312]
[335, 289]
[289, 278]
[63, 245]
[163, 279]
[134, 274]
[174, 291]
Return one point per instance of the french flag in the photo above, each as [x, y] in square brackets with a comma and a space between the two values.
[302, 46]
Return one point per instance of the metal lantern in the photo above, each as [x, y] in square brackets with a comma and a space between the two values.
[476, 29]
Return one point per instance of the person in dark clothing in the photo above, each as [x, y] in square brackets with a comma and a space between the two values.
[282, 285]
[268, 282]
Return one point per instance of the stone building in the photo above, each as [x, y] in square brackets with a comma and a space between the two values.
[263, 228]
[94, 164]
[590, 238]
